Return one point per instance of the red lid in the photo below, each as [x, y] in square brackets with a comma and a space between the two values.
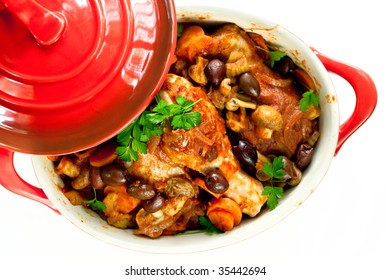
[75, 73]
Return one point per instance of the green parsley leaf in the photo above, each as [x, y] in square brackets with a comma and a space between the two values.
[174, 109]
[274, 193]
[139, 146]
[186, 121]
[275, 56]
[124, 137]
[268, 169]
[133, 140]
[275, 171]
[95, 203]
[209, 227]
[180, 28]
[308, 99]
[278, 163]
[126, 153]
[99, 205]
[181, 100]
[185, 103]
[161, 108]
[156, 118]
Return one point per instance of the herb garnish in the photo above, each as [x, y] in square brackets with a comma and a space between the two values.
[276, 172]
[180, 28]
[275, 56]
[134, 138]
[308, 98]
[95, 203]
[209, 228]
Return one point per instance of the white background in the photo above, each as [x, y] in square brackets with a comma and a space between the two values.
[341, 231]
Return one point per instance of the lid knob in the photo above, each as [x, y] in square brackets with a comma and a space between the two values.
[46, 26]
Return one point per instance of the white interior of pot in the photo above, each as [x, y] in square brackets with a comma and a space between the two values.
[91, 223]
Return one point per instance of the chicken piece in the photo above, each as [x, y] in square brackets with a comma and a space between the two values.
[83, 180]
[158, 169]
[276, 92]
[74, 197]
[155, 166]
[68, 167]
[207, 147]
[118, 206]
[154, 224]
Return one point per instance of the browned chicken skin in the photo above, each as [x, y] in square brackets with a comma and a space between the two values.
[158, 169]
[207, 147]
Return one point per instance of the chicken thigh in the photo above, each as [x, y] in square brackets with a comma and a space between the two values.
[207, 147]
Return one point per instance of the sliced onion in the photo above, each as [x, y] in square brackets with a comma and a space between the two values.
[276, 82]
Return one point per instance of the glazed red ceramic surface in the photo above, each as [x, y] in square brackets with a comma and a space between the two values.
[75, 73]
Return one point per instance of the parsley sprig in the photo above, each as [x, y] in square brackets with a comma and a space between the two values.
[276, 172]
[134, 138]
[180, 28]
[207, 225]
[275, 56]
[308, 98]
[95, 203]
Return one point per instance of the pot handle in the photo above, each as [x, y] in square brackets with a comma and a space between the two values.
[10, 179]
[365, 91]
[46, 26]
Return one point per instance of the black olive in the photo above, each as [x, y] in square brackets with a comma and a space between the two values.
[285, 67]
[216, 182]
[215, 71]
[141, 190]
[96, 179]
[303, 155]
[113, 175]
[154, 204]
[249, 84]
[246, 154]
[233, 137]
